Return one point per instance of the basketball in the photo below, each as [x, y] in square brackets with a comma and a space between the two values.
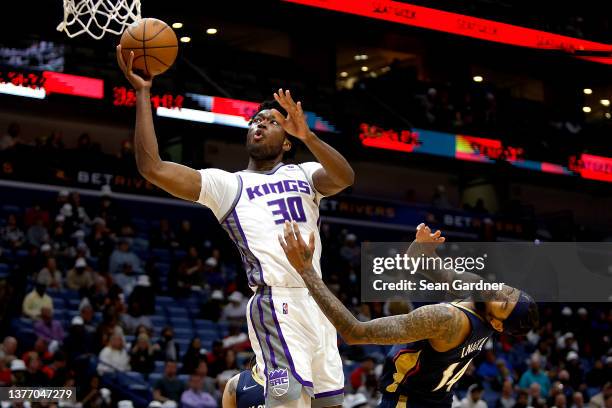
[154, 45]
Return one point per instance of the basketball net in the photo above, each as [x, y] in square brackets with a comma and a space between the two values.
[97, 17]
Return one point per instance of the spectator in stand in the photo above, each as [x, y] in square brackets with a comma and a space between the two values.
[126, 279]
[169, 387]
[473, 397]
[37, 233]
[185, 236]
[8, 349]
[230, 365]
[99, 242]
[134, 318]
[36, 300]
[144, 295]
[212, 273]
[11, 138]
[47, 328]
[92, 396]
[190, 271]
[236, 339]
[535, 394]
[57, 372]
[535, 375]
[113, 357]
[168, 347]
[350, 251]
[578, 400]
[602, 399]
[360, 374]
[208, 383]
[11, 235]
[216, 358]
[213, 309]
[142, 355]
[5, 373]
[80, 278]
[41, 349]
[108, 328]
[18, 372]
[78, 343]
[36, 213]
[235, 310]
[195, 397]
[163, 237]
[80, 213]
[487, 371]
[192, 356]
[122, 256]
[50, 274]
[34, 375]
[86, 312]
[506, 399]
[560, 401]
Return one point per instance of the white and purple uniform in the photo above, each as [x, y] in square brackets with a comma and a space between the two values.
[292, 339]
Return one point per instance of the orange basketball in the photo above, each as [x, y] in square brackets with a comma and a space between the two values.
[154, 45]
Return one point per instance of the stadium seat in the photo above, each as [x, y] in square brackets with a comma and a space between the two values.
[135, 376]
[159, 366]
[204, 324]
[164, 300]
[162, 254]
[159, 321]
[174, 311]
[182, 322]
[155, 377]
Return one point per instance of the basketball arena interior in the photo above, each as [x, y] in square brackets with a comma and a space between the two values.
[489, 120]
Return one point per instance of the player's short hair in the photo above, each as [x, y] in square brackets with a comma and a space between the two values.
[272, 104]
[269, 104]
[524, 317]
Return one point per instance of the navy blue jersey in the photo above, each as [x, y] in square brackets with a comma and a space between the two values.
[415, 375]
[250, 390]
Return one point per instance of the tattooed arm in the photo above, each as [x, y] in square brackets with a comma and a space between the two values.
[436, 322]
[426, 243]
[229, 393]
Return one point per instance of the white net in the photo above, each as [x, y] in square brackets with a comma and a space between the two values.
[97, 17]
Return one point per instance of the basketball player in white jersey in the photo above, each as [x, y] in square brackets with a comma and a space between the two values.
[294, 342]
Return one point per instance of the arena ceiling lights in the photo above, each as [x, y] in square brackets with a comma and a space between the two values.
[460, 24]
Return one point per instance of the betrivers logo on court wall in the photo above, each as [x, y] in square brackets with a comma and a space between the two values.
[278, 380]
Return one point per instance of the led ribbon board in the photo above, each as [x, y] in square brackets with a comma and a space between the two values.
[39, 85]
[480, 149]
[460, 24]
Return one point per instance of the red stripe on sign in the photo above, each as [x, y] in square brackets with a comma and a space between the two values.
[76, 85]
[234, 107]
[460, 24]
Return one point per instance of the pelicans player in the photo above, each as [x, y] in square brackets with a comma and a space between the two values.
[434, 344]
[293, 341]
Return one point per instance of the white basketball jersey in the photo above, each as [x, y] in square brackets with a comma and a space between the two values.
[263, 202]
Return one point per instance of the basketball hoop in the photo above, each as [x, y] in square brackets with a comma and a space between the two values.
[97, 17]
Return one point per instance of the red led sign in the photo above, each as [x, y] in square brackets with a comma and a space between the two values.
[460, 24]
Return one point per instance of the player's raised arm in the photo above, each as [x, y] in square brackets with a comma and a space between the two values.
[436, 322]
[426, 242]
[178, 180]
[336, 174]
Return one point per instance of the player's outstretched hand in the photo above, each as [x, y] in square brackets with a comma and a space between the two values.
[137, 81]
[295, 123]
[298, 253]
[425, 236]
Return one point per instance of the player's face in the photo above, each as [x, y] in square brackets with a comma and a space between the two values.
[266, 138]
[498, 311]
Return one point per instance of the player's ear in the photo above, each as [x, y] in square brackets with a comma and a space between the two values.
[286, 145]
[498, 325]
